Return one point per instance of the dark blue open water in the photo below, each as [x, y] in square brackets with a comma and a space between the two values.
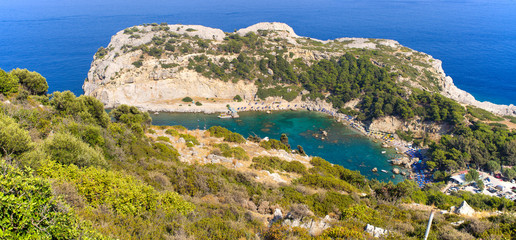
[476, 39]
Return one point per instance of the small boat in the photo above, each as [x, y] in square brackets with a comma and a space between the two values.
[225, 115]
[385, 171]
[268, 112]
[383, 152]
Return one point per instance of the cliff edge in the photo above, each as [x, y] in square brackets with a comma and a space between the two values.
[154, 66]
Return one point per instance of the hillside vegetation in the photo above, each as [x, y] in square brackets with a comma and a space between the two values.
[70, 170]
[383, 78]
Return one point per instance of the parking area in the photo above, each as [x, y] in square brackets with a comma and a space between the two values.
[493, 186]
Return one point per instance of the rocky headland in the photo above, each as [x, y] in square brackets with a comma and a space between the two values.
[123, 74]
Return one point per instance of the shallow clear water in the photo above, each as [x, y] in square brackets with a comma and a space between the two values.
[476, 39]
[343, 145]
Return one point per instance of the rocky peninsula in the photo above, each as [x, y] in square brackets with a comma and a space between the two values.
[123, 74]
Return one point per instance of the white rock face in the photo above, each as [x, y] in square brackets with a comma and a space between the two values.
[283, 29]
[154, 95]
[115, 80]
[375, 231]
[453, 92]
[465, 209]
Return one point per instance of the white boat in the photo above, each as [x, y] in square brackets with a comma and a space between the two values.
[383, 152]
[385, 171]
[225, 115]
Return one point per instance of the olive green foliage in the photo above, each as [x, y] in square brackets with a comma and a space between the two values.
[142, 191]
[237, 98]
[235, 43]
[86, 108]
[472, 175]
[138, 63]
[348, 78]
[324, 168]
[198, 103]
[189, 139]
[509, 172]
[326, 182]
[30, 211]
[405, 135]
[287, 93]
[32, 81]
[172, 132]
[482, 114]
[187, 99]
[102, 52]
[235, 152]
[274, 144]
[68, 149]
[220, 132]
[132, 117]
[476, 146]
[8, 83]
[121, 193]
[163, 138]
[13, 138]
[274, 163]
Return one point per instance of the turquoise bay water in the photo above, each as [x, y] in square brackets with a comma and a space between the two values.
[343, 145]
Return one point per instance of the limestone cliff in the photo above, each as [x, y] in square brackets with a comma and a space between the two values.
[153, 66]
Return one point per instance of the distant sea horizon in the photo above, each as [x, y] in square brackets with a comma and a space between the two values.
[476, 40]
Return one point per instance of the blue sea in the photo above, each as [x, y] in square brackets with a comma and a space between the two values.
[475, 39]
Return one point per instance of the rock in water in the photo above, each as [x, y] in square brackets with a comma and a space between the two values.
[375, 170]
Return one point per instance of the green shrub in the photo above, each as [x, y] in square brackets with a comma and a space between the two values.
[287, 93]
[90, 134]
[86, 108]
[329, 183]
[121, 193]
[67, 149]
[274, 144]
[138, 63]
[172, 132]
[101, 53]
[32, 81]
[165, 152]
[198, 103]
[217, 131]
[189, 138]
[132, 117]
[8, 83]
[187, 99]
[482, 114]
[235, 152]
[237, 98]
[275, 163]
[29, 211]
[163, 138]
[13, 139]
[179, 128]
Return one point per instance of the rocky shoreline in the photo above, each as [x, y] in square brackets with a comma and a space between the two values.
[114, 80]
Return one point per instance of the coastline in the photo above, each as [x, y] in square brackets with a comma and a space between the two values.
[277, 104]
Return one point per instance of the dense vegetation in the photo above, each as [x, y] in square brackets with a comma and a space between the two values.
[476, 146]
[70, 170]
